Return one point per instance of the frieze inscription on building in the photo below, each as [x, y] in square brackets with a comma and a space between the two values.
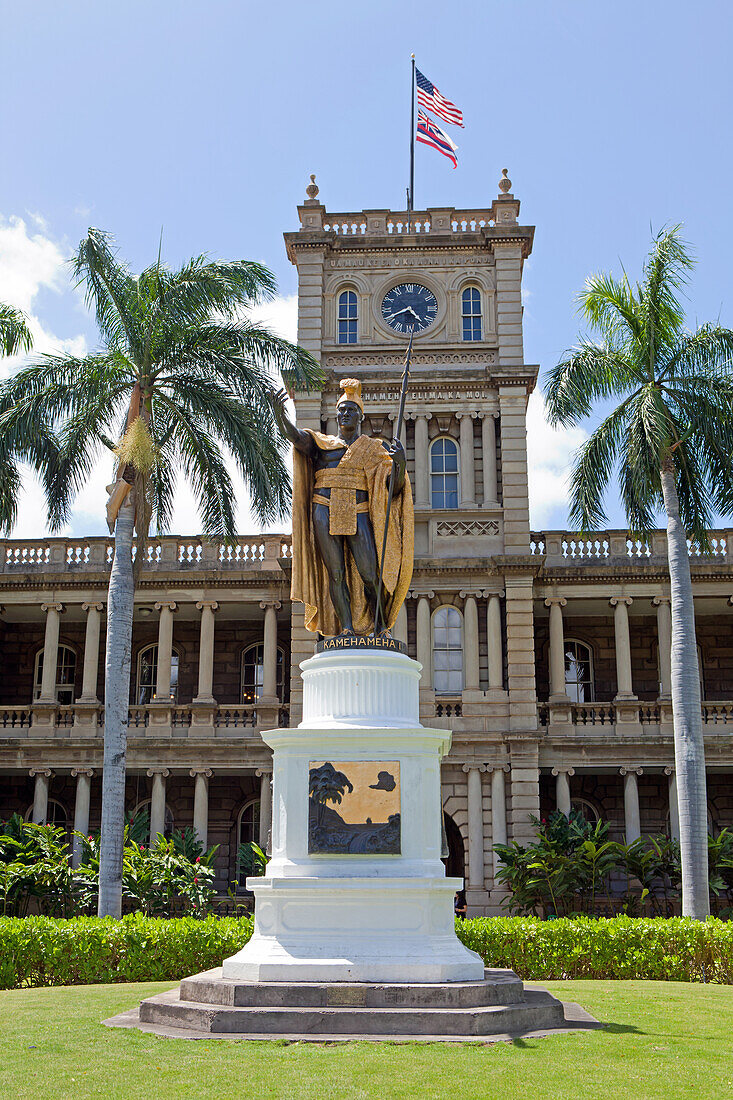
[354, 807]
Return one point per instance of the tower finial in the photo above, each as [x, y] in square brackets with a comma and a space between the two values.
[312, 188]
[505, 184]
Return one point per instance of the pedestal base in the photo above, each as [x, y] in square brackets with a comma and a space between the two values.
[354, 930]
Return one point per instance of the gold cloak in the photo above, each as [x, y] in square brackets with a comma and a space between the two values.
[309, 582]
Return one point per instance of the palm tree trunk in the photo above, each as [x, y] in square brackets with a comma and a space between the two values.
[116, 706]
[689, 747]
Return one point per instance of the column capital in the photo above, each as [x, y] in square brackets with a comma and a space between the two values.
[560, 601]
[276, 604]
[487, 593]
[53, 607]
[419, 416]
[474, 593]
[620, 600]
[165, 772]
[259, 772]
[46, 772]
[166, 605]
[658, 600]
[563, 771]
[211, 604]
[489, 414]
[464, 414]
[669, 770]
[92, 607]
[428, 594]
[631, 771]
[207, 772]
[474, 768]
[82, 771]
[498, 768]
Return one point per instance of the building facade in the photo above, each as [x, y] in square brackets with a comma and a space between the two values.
[546, 654]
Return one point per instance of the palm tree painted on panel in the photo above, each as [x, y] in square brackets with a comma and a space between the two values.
[181, 385]
[326, 784]
[671, 440]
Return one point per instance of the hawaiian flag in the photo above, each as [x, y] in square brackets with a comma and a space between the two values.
[429, 133]
[429, 97]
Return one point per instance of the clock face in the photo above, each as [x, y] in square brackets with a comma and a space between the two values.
[409, 307]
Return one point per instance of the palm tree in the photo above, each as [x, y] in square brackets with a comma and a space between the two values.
[671, 440]
[14, 332]
[181, 383]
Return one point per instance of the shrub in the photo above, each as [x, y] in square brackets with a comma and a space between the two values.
[675, 949]
[92, 950]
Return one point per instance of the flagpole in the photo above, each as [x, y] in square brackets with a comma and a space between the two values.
[411, 192]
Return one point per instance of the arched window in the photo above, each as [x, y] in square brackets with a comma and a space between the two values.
[253, 673]
[447, 651]
[347, 318]
[55, 814]
[444, 473]
[471, 313]
[145, 807]
[248, 823]
[147, 675]
[586, 809]
[65, 675]
[579, 679]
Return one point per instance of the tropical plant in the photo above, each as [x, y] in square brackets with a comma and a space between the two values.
[251, 860]
[326, 784]
[15, 335]
[35, 868]
[671, 438]
[181, 383]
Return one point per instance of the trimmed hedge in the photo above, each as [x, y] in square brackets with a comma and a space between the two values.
[674, 949]
[89, 950]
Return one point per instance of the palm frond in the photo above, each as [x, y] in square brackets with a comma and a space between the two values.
[110, 291]
[609, 305]
[15, 336]
[589, 371]
[592, 468]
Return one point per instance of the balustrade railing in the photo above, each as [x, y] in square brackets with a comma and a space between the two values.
[650, 714]
[396, 222]
[448, 708]
[606, 547]
[166, 554]
[15, 717]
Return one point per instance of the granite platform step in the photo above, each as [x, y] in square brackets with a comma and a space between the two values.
[498, 987]
[538, 1010]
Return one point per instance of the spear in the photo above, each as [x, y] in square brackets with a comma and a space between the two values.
[379, 614]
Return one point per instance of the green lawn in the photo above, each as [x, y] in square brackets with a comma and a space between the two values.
[664, 1039]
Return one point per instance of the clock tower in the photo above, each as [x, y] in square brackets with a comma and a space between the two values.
[454, 276]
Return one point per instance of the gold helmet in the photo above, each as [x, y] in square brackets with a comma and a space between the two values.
[352, 392]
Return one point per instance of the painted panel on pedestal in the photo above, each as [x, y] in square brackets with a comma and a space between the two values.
[354, 807]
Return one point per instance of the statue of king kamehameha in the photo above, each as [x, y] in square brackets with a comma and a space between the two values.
[340, 507]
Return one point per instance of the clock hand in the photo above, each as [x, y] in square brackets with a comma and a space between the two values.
[399, 312]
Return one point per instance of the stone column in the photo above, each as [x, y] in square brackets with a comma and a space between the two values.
[468, 490]
[201, 777]
[165, 650]
[664, 638]
[632, 817]
[50, 652]
[91, 653]
[332, 426]
[83, 778]
[422, 471]
[42, 777]
[475, 826]
[206, 652]
[470, 643]
[674, 809]
[562, 789]
[424, 641]
[269, 671]
[265, 777]
[495, 642]
[621, 604]
[557, 649]
[498, 812]
[488, 459]
[400, 627]
[157, 802]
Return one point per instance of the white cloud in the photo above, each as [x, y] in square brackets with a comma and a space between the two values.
[549, 452]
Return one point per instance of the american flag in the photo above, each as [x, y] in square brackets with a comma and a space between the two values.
[429, 97]
[429, 133]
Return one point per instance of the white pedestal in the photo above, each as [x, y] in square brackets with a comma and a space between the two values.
[341, 916]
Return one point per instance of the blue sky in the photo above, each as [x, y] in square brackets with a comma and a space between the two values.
[206, 119]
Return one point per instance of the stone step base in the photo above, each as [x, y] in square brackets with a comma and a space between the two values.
[497, 987]
[539, 1010]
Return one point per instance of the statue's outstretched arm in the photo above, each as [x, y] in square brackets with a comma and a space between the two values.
[302, 441]
[399, 461]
